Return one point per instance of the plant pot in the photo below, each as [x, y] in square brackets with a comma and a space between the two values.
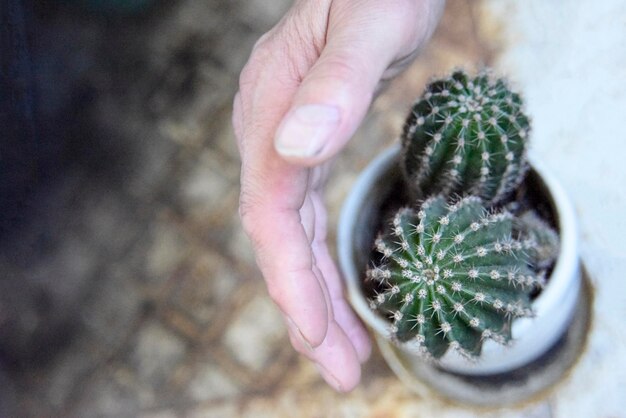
[554, 306]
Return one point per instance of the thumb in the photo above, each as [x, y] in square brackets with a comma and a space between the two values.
[335, 94]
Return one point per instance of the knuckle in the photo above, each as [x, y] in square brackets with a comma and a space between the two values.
[340, 67]
[261, 41]
[280, 53]
[249, 217]
[248, 75]
[246, 215]
[260, 55]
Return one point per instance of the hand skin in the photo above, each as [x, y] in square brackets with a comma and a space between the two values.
[302, 94]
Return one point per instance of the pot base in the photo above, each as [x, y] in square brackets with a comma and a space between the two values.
[531, 381]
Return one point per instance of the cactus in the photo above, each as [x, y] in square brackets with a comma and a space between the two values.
[466, 136]
[452, 275]
[544, 239]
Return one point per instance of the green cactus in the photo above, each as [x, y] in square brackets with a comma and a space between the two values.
[466, 136]
[545, 240]
[452, 275]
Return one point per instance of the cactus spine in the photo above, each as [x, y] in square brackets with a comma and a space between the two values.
[452, 275]
[466, 136]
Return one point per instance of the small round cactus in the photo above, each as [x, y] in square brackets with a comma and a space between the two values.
[545, 248]
[452, 275]
[466, 136]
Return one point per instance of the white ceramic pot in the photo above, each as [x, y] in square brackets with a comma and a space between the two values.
[532, 337]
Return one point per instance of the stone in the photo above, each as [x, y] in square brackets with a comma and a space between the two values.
[109, 223]
[256, 333]
[224, 410]
[111, 311]
[239, 245]
[206, 288]
[156, 354]
[105, 398]
[166, 251]
[260, 14]
[210, 383]
[224, 139]
[210, 185]
[68, 369]
[164, 413]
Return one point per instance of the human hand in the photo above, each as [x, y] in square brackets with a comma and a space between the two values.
[304, 91]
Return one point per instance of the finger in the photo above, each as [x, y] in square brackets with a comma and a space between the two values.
[339, 309]
[284, 255]
[354, 330]
[343, 314]
[336, 93]
[300, 343]
[336, 358]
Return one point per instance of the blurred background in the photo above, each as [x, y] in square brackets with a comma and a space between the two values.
[127, 287]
